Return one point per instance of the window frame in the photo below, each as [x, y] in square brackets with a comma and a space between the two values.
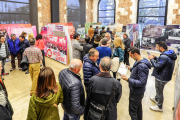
[107, 10]
[165, 17]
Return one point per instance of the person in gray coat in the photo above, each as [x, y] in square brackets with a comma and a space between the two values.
[76, 47]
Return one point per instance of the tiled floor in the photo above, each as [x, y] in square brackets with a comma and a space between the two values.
[18, 86]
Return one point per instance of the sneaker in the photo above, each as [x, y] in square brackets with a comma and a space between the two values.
[12, 69]
[156, 108]
[153, 99]
[5, 74]
[2, 78]
[27, 72]
[20, 68]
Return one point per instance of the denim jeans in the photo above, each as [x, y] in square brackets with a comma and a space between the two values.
[135, 106]
[71, 116]
[159, 85]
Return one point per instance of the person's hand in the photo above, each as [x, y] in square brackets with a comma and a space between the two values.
[124, 77]
[151, 56]
[128, 67]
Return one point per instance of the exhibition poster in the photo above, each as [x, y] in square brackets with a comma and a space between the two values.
[34, 30]
[44, 37]
[17, 29]
[57, 47]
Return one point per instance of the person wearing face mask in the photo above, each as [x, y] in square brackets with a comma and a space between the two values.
[163, 70]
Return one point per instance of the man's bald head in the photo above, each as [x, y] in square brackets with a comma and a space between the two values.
[75, 65]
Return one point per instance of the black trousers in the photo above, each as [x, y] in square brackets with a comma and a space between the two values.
[135, 106]
[43, 61]
[126, 57]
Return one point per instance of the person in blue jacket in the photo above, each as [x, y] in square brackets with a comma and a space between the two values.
[137, 83]
[14, 47]
[163, 70]
[90, 67]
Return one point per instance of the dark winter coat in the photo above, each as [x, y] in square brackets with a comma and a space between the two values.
[7, 50]
[99, 90]
[14, 46]
[90, 68]
[139, 76]
[127, 43]
[86, 48]
[164, 65]
[73, 91]
[119, 53]
[24, 63]
[23, 45]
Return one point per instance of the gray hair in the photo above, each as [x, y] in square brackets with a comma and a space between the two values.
[32, 41]
[92, 52]
[73, 64]
[13, 34]
[104, 41]
[108, 34]
[105, 64]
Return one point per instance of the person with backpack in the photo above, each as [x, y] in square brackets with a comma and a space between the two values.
[40, 44]
[104, 91]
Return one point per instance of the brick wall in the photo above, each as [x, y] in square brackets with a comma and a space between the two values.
[176, 20]
[89, 8]
[44, 13]
[63, 11]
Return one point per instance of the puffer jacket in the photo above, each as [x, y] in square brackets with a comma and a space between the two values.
[23, 45]
[119, 53]
[164, 65]
[127, 43]
[73, 91]
[45, 108]
[139, 76]
[14, 46]
[7, 50]
[90, 68]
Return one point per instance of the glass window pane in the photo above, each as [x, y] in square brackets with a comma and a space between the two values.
[25, 1]
[152, 3]
[106, 20]
[106, 4]
[10, 7]
[109, 13]
[73, 4]
[72, 12]
[152, 12]
[13, 18]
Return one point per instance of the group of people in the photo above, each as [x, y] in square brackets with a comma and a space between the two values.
[103, 90]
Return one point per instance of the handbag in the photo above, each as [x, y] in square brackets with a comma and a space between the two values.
[98, 111]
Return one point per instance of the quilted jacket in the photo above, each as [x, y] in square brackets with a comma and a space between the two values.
[73, 91]
[14, 46]
[119, 53]
[164, 65]
[90, 68]
[139, 76]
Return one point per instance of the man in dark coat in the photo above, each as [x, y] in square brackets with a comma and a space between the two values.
[100, 88]
[86, 46]
[163, 70]
[127, 43]
[90, 67]
[137, 83]
[73, 91]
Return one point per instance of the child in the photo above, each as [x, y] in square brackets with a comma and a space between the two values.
[4, 53]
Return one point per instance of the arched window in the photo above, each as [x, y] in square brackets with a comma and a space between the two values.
[152, 12]
[106, 11]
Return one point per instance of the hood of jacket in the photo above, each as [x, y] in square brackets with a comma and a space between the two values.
[87, 59]
[48, 101]
[170, 54]
[145, 61]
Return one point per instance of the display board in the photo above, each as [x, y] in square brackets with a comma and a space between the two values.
[150, 35]
[132, 30]
[177, 93]
[17, 29]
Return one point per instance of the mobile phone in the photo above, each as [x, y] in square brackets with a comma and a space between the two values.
[148, 53]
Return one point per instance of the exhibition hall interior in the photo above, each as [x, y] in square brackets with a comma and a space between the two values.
[89, 59]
